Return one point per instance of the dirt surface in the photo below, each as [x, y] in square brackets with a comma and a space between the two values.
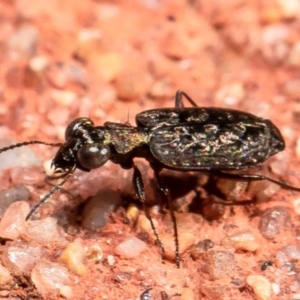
[109, 60]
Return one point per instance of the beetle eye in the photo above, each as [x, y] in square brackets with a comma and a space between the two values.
[92, 156]
[75, 125]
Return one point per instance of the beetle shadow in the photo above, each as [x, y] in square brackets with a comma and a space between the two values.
[199, 194]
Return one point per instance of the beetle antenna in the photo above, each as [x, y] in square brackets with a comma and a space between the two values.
[54, 190]
[128, 112]
[29, 143]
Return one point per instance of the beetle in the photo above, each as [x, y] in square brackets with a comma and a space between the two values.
[208, 139]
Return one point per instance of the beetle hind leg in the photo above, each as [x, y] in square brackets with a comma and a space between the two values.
[254, 177]
[179, 101]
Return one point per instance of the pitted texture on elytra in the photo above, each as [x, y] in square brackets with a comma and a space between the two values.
[200, 115]
[209, 138]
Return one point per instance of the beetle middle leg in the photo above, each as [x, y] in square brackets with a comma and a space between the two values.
[254, 177]
[138, 185]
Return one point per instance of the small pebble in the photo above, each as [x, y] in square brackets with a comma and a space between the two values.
[289, 8]
[274, 222]
[58, 116]
[294, 286]
[210, 209]
[247, 240]
[23, 42]
[218, 264]
[5, 277]
[12, 224]
[130, 248]
[67, 292]
[159, 89]
[21, 256]
[94, 253]
[179, 44]
[61, 75]
[18, 157]
[213, 291]
[281, 259]
[275, 43]
[292, 251]
[74, 257]
[88, 182]
[106, 65]
[261, 286]
[231, 94]
[297, 278]
[298, 144]
[48, 276]
[111, 260]
[88, 41]
[44, 231]
[164, 295]
[63, 98]
[132, 85]
[32, 79]
[104, 100]
[279, 164]
[292, 90]
[38, 63]
[186, 240]
[231, 189]
[144, 224]
[17, 193]
[275, 288]
[187, 294]
[132, 212]
[186, 222]
[201, 247]
[96, 211]
[122, 276]
[30, 175]
[262, 190]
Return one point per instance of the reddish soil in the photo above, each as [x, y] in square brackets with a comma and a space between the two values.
[109, 60]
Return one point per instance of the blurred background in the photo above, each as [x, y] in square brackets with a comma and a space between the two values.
[109, 60]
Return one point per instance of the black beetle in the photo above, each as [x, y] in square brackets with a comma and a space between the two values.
[180, 138]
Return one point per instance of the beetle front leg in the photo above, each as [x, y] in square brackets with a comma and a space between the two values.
[138, 185]
[165, 189]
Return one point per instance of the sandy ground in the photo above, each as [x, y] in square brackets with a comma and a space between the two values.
[110, 60]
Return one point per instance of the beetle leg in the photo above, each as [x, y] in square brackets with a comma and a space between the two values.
[138, 185]
[179, 102]
[234, 203]
[165, 189]
[254, 177]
